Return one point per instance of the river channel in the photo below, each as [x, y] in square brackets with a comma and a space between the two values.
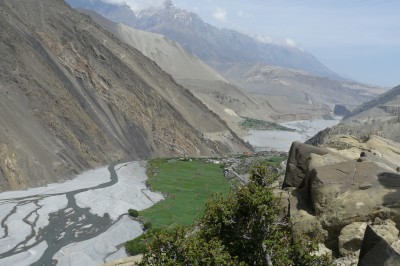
[265, 140]
[82, 221]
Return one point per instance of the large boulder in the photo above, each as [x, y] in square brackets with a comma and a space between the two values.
[351, 238]
[376, 251]
[303, 222]
[354, 191]
[298, 162]
[332, 194]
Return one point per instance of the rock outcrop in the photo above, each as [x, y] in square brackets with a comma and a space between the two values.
[376, 250]
[298, 163]
[334, 196]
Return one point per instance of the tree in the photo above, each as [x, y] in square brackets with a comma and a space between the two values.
[183, 247]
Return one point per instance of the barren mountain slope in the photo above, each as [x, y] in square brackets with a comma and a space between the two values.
[303, 89]
[217, 47]
[228, 101]
[380, 117]
[296, 94]
[74, 97]
[383, 107]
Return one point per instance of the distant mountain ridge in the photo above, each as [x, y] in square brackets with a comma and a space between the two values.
[290, 83]
[310, 93]
[383, 107]
[220, 48]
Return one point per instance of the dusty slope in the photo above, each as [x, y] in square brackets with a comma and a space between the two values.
[286, 95]
[379, 116]
[228, 101]
[169, 55]
[383, 107]
[75, 97]
[296, 94]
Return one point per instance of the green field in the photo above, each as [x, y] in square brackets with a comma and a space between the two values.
[250, 123]
[187, 186]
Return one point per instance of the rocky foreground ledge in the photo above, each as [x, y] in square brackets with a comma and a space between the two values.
[346, 195]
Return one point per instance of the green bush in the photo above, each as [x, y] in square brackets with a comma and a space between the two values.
[136, 246]
[133, 213]
[147, 225]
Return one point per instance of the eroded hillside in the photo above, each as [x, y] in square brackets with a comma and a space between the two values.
[287, 82]
[230, 102]
[74, 97]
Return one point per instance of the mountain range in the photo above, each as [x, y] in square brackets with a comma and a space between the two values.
[287, 82]
[220, 48]
[76, 96]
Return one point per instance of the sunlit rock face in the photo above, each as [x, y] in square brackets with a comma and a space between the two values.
[339, 193]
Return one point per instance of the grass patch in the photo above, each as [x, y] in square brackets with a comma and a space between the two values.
[187, 185]
[250, 123]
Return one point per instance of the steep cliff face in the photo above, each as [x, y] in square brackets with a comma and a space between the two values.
[74, 97]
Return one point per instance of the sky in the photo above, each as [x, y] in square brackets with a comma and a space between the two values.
[359, 39]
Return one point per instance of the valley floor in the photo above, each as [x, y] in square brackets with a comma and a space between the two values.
[278, 140]
[83, 221]
[79, 222]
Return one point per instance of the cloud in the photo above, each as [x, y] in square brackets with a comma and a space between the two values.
[137, 4]
[264, 38]
[290, 42]
[220, 14]
[242, 14]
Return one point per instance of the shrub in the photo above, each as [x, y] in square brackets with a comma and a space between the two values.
[135, 246]
[133, 213]
[138, 245]
[147, 225]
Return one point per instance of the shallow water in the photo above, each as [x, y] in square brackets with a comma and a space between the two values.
[79, 222]
[264, 140]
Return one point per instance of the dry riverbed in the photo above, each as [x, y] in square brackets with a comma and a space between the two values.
[79, 222]
[264, 140]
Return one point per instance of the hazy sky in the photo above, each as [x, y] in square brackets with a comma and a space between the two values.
[357, 38]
